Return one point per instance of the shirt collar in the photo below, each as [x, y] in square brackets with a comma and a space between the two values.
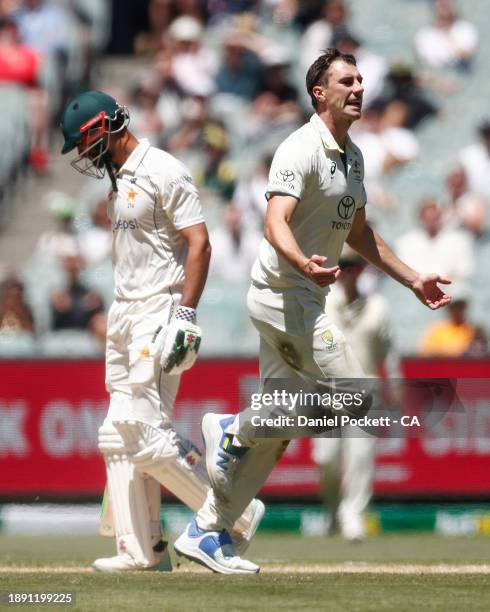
[136, 157]
[328, 140]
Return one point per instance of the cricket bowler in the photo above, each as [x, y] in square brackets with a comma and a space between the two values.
[160, 254]
[316, 202]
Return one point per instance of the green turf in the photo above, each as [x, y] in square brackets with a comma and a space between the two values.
[281, 591]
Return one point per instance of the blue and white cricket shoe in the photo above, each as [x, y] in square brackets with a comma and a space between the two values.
[214, 549]
[222, 456]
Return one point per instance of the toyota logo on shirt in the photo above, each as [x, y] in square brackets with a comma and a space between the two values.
[285, 175]
[346, 207]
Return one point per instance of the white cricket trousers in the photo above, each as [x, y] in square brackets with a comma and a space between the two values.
[297, 341]
[352, 456]
[139, 389]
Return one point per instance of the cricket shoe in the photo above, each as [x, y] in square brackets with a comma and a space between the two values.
[222, 456]
[124, 562]
[214, 549]
[353, 530]
[241, 540]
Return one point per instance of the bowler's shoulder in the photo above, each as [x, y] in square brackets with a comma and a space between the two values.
[302, 144]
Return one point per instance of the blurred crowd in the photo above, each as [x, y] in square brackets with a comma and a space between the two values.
[222, 84]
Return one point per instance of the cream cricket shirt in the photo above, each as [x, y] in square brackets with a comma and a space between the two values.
[308, 166]
[155, 199]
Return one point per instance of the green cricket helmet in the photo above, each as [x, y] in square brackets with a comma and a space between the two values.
[96, 115]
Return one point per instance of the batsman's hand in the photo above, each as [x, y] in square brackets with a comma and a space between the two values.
[177, 344]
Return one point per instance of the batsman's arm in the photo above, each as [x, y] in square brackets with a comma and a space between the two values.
[197, 263]
[368, 243]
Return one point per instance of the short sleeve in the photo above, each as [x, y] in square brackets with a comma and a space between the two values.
[181, 201]
[287, 174]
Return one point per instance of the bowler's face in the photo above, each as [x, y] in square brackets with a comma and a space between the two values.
[343, 91]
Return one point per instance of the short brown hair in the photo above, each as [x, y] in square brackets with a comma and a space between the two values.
[321, 65]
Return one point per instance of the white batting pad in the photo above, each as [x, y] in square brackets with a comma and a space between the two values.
[175, 463]
[128, 494]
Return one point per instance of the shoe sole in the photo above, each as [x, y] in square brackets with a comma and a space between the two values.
[198, 556]
[153, 568]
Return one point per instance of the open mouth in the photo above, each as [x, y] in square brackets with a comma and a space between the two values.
[355, 103]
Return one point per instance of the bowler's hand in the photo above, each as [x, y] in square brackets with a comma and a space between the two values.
[314, 269]
[427, 291]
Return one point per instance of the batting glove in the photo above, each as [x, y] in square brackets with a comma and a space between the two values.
[178, 343]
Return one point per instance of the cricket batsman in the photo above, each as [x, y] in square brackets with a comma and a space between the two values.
[316, 202]
[160, 255]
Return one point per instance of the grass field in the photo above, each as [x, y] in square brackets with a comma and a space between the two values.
[395, 573]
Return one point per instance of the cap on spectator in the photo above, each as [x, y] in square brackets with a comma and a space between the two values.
[185, 28]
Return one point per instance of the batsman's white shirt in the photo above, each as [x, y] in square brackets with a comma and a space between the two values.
[155, 199]
[308, 166]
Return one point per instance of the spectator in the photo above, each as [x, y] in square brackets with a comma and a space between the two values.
[434, 247]
[373, 67]
[21, 64]
[249, 196]
[462, 208]
[234, 248]
[190, 135]
[475, 160]
[145, 118]
[193, 66]
[386, 145]
[347, 460]
[241, 71]
[401, 85]
[171, 95]
[276, 61]
[51, 29]
[73, 306]
[307, 11]
[60, 241]
[454, 336]
[218, 173]
[15, 313]
[276, 105]
[46, 27]
[320, 34]
[449, 42]
[96, 241]
[160, 15]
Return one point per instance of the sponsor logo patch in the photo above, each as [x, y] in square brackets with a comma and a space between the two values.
[328, 338]
[287, 176]
[346, 207]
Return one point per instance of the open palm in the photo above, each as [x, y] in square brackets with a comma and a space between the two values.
[429, 293]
